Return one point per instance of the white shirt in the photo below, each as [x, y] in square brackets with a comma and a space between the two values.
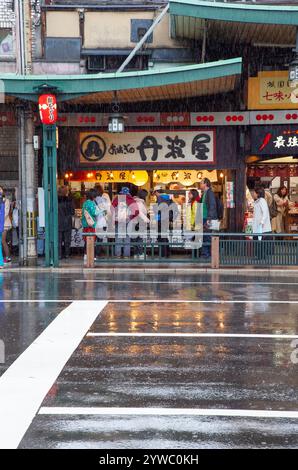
[261, 219]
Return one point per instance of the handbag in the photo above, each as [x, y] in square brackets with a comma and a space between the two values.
[89, 219]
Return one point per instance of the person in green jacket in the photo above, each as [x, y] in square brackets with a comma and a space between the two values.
[91, 207]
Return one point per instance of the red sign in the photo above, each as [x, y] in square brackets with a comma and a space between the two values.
[47, 105]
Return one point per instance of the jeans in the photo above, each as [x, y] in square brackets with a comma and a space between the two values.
[64, 237]
[122, 243]
[262, 250]
[206, 248]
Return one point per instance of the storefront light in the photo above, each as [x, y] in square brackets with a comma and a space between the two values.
[221, 175]
[116, 123]
[116, 120]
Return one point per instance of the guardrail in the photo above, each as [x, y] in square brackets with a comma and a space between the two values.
[227, 249]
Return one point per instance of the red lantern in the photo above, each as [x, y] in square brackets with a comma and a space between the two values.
[47, 105]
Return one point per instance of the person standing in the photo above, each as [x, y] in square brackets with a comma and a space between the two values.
[7, 226]
[125, 209]
[192, 217]
[261, 219]
[141, 202]
[210, 216]
[90, 212]
[282, 202]
[65, 214]
[2, 218]
[165, 212]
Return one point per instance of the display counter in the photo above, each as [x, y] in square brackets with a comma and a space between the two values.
[292, 220]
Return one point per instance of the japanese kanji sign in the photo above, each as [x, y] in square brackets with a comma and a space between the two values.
[145, 147]
[271, 90]
[275, 90]
[275, 140]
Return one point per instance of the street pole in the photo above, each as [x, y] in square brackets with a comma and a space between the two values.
[50, 195]
[31, 232]
[27, 183]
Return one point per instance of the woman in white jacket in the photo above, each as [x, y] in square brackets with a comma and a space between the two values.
[261, 219]
[261, 222]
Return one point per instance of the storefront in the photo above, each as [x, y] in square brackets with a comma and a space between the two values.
[274, 163]
[175, 150]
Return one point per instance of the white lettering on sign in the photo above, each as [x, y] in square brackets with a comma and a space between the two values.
[146, 147]
[282, 142]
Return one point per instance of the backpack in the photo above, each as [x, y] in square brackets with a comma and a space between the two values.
[219, 208]
[273, 210]
[123, 213]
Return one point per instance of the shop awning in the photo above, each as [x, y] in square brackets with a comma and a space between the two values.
[245, 23]
[173, 83]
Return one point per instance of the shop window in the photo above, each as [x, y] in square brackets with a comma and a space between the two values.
[111, 63]
[6, 43]
[138, 28]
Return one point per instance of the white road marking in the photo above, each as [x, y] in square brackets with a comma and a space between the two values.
[153, 301]
[167, 412]
[120, 281]
[27, 381]
[196, 335]
[214, 301]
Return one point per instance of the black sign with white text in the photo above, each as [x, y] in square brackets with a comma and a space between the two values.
[274, 140]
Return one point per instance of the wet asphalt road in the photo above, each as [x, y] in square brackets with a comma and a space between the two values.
[196, 372]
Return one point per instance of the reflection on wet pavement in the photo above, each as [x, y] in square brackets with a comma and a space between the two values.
[167, 372]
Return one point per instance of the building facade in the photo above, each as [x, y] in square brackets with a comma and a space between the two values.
[198, 90]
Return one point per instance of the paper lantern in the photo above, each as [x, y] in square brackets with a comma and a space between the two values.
[139, 177]
[47, 105]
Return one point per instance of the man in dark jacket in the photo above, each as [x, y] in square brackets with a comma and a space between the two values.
[209, 213]
[65, 214]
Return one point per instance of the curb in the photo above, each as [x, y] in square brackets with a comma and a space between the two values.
[187, 269]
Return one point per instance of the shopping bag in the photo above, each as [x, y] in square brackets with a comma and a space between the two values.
[89, 219]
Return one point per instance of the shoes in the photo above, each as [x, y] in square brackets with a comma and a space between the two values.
[7, 260]
[142, 256]
[1, 266]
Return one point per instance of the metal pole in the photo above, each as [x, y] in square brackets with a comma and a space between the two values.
[46, 194]
[144, 38]
[31, 234]
[50, 194]
[20, 49]
[204, 42]
[22, 187]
